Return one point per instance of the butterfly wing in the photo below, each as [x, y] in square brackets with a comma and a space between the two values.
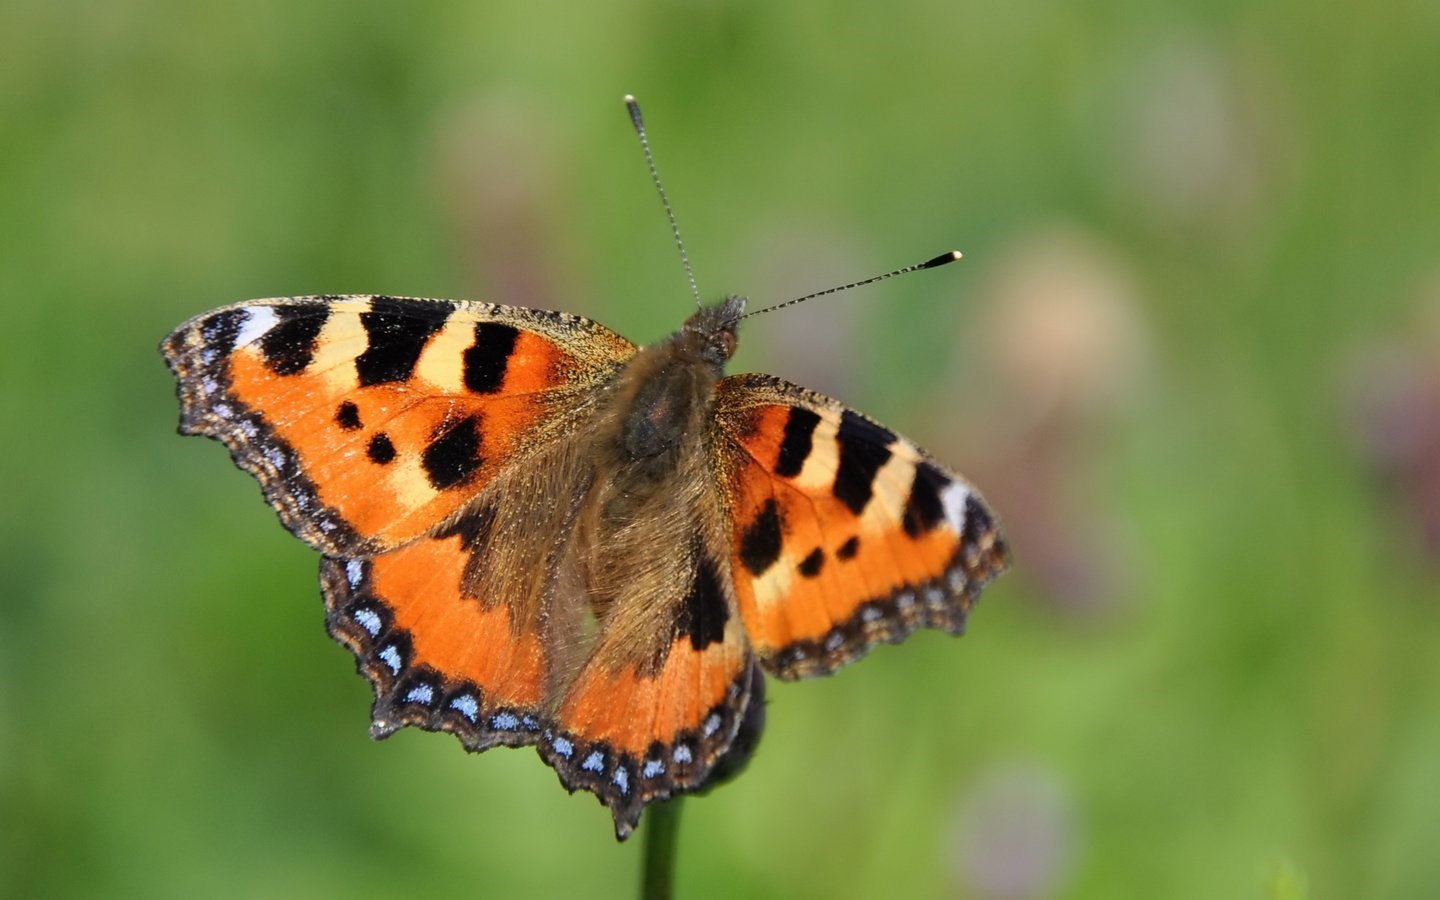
[635, 734]
[844, 534]
[655, 703]
[382, 429]
[369, 421]
[439, 656]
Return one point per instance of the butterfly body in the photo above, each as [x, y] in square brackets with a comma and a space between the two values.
[536, 533]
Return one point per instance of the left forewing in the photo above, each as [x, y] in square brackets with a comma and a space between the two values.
[371, 420]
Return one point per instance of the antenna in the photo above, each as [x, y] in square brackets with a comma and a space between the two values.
[941, 260]
[639, 124]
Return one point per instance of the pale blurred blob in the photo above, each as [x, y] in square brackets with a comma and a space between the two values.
[1394, 412]
[1016, 834]
[1063, 352]
[1202, 133]
[498, 174]
[1060, 326]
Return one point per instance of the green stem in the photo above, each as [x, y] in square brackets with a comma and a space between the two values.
[661, 826]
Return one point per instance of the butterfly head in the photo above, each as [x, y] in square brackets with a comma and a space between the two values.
[711, 332]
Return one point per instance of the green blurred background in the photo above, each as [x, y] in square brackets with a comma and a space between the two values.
[1191, 358]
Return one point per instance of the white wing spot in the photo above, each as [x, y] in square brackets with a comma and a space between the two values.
[953, 500]
[712, 724]
[504, 721]
[870, 614]
[420, 693]
[466, 706]
[369, 621]
[905, 600]
[621, 779]
[563, 746]
[955, 579]
[594, 762]
[353, 570]
[258, 320]
[224, 410]
[681, 754]
[391, 656]
[652, 768]
[834, 641]
[248, 428]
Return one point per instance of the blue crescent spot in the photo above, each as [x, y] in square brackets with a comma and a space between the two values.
[367, 620]
[391, 656]
[467, 706]
[504, 721]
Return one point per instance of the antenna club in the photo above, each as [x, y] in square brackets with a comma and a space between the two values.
[942, 259]
[634, 109]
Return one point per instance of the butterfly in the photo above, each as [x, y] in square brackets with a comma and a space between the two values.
[535, 532]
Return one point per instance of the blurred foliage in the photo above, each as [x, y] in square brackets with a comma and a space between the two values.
[1201, 248]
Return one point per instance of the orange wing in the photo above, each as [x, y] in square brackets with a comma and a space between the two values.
[630, 731]
[438, 657]
[369, 421]
[844, 534]
[635, 731]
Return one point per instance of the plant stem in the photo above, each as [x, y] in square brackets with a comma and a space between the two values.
[661, 827]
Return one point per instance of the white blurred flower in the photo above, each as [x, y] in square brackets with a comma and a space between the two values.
[1059, 350]
[1061, 324]
[1202, 136]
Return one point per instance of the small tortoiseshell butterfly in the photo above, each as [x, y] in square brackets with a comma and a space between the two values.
[535, 532]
